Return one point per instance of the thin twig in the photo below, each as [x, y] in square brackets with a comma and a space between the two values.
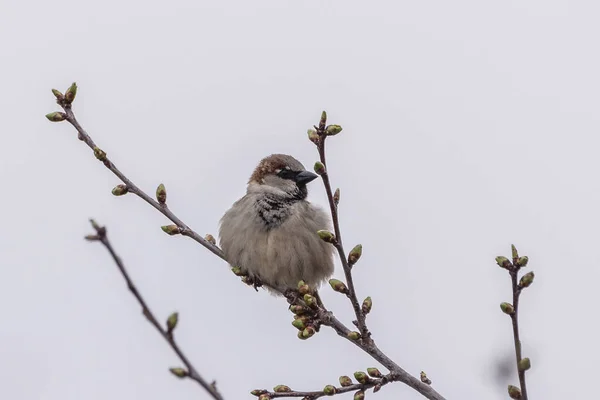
[133, 188]
[165, 333]
[515, 324]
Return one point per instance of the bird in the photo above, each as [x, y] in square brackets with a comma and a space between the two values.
[271, 232]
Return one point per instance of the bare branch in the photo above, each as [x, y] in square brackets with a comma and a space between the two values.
[167, 333]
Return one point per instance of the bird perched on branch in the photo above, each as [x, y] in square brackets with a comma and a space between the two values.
[271, 232]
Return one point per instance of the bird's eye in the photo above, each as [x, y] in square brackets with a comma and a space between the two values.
[286, 173]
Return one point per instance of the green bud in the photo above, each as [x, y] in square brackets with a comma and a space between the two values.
[514, 392]
[308, 332]
[310, 300]
[161, 194]
[345, 381]
[179, 372]
[172, 321]
[338, 286]
[503, 262]
[522, 261]
[507, 308]
[299, 324]
[56, 116]
[329, 390]
[210, 239]
[57, 94]
[374, 373]
[237, 271]
[360, 395]
[120, 190]
[71, 93]
[515, 253]
[91, 238]
[171, 229]
[326, 236]
[99, 154]
[304, 289]
[336, 196]
[319, 168]
[300, 284]
[424, 378]
[355, 254]
[323, 120]
[527, 279]
[282, 389]
[366, 305]
[333, 130]
[313, 136]
[297, 309]
[258, 392]
[361, 377]
[524, 364]
[353, 335]
[264, 396]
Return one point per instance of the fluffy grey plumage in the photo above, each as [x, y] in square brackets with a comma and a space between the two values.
[271, 232]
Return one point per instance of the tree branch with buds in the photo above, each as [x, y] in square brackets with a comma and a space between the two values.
[512, 310]
[167, 332]
[309, 311]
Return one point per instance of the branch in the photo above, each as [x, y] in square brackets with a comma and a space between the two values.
[523, 364]
[167, 333]
[320, 314]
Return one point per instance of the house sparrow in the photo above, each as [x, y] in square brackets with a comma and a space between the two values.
[271, 232]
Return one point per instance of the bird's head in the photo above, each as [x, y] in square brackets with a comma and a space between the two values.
[281, 175]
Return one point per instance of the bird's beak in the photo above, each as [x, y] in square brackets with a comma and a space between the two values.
[304, 177]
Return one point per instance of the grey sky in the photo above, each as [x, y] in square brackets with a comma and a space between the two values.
[468, 126]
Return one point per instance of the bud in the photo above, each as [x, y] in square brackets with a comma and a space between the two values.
[336, 196]
[99, 154]
[323, 120]
[361, 377]
[333, 130]
[237, 271]
[304, 288]
[329, 390]
[120, 190]
[524, 364]
[355, 254]
[297, 309]
[515, 253]
[57, 94]
[258, 392]
[170, 229]
[424, 378]
[366, 305]
[310, 300]
[360, 395]
[507, 308]
[308, 332]
[161, 194]
[345, 381]
[514, 392]
[338, 286]
[527, 279]
[299, 324]
[522, 261]
[56, 116]
[503, 262]
[179, 372]
[326, 236]
[91, 238]
[374, 373]
[71, 93]
[264, 396]
[313, 136]
[376, 388]
[319, 168]
[210, 239]
[282, 389]
[353, 335]
[172, 321]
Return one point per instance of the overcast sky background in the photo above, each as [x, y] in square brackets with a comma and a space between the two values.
[468, 126]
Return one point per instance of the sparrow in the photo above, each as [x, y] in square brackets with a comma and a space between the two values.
[271, 232]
